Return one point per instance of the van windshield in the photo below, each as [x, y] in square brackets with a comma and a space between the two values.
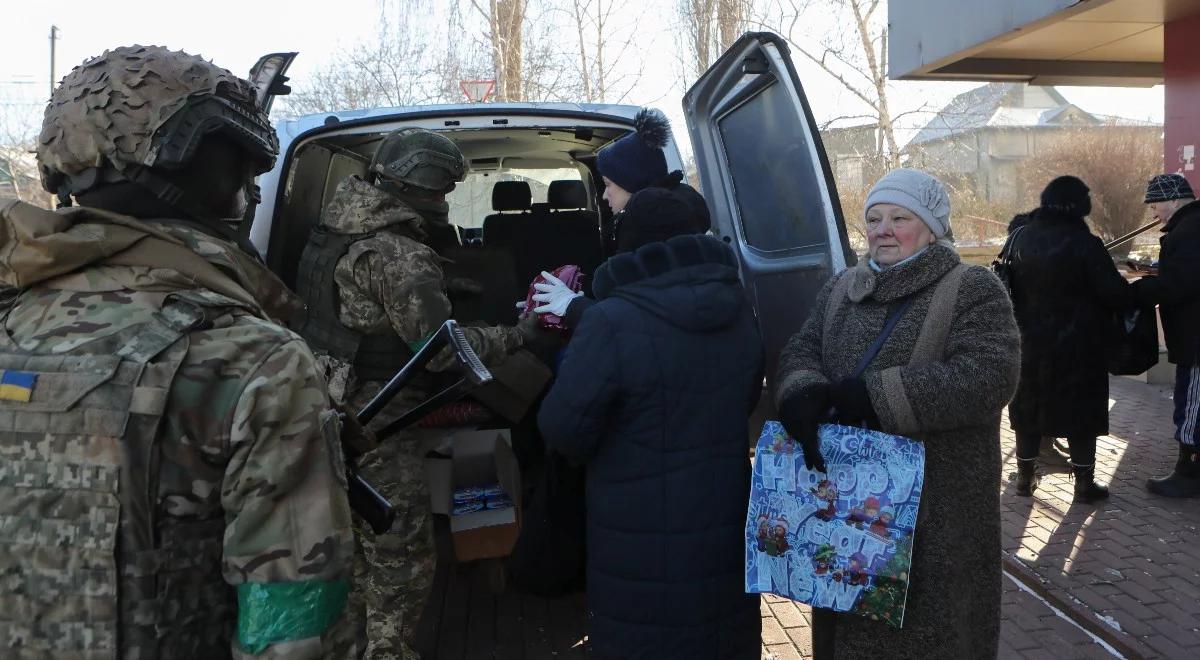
[471, 200]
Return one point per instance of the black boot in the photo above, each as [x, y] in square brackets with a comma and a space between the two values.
[1027, 477]
[1086, 488]
[1184, 481]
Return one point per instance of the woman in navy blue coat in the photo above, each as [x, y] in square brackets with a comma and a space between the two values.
[653, 397]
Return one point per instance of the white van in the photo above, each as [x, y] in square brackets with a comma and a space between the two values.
[531, 198]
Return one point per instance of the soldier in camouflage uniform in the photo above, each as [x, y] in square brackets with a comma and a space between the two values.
[171, 478]
[375, 291]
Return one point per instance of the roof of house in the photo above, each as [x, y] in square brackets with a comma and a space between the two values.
[1003, 105]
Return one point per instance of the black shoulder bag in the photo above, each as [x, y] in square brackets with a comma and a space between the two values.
[1002, 265]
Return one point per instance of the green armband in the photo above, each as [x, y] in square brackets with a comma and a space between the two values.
[417, 345]
[273, 612]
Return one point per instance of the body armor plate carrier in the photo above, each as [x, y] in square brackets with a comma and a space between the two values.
[374, 357]
[89, 566]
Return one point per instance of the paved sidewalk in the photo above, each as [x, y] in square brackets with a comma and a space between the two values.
[1132, 561]
[1029, 629]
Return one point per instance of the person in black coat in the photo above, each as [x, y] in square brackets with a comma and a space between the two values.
[1066, 290]
[1052, 457]
[1176, 290]
[653, 397]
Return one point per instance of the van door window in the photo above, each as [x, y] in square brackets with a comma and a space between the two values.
[774, 178]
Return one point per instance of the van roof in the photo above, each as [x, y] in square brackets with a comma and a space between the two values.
[298, 125]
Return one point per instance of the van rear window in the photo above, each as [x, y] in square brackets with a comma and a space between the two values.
[471, 200]
[774, 177]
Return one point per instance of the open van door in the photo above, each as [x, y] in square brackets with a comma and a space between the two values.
[268, 79]
[769, 188]
[267, 76]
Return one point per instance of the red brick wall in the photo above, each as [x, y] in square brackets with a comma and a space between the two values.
[1181, 75]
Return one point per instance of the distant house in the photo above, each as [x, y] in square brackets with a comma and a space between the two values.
[851, 151]
[983, 135]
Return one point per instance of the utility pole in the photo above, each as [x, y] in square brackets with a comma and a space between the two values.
[53, 38]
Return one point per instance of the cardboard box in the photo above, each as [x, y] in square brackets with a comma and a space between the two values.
[519, 380]
[476, 458]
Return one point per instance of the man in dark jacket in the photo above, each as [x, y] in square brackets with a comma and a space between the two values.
[1176, 290]
[1065, 292]
[653, 396]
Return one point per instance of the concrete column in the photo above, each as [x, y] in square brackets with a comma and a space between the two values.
[1181, 76]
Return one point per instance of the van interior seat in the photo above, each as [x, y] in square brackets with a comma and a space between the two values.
[566, 194]
[500, 228]
[566, 233]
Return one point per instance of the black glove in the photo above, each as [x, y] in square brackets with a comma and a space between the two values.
[801, 413]
[852, 403]
[539, 341]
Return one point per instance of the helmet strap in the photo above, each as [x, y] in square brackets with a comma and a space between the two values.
[185, 202]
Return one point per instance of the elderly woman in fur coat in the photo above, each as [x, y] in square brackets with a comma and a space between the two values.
[942, 377]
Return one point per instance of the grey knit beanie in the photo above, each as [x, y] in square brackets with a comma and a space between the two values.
[918, 192]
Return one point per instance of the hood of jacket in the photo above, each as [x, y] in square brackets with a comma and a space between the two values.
[37, 246]
[690, 281]
[357, 207]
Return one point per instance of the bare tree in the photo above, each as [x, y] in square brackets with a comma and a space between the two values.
[411, 60]
[607, 43]
[709, 27]
[1090, 154]
[505, 20]
[855, 57]
[18, 165]
[422, 50]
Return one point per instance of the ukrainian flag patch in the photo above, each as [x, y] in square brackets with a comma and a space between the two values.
[17, 385]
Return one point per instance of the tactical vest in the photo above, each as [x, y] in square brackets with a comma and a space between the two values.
[90, 565]
[374, 357]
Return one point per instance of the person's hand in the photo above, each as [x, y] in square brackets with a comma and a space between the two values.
[554, 295]
[852, 402]
[357, 437]
[801, 414]
[535, 337]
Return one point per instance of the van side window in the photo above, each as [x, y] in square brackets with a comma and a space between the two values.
[774, 176]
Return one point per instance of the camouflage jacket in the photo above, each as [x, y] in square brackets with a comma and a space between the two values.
[246, 442]
[391, 279]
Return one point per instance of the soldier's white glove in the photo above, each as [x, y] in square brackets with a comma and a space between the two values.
[554, 295]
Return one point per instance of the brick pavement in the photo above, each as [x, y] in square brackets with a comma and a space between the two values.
[1029, 629]
[1132, 560]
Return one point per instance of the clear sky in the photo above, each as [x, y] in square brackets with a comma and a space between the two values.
[235, 33]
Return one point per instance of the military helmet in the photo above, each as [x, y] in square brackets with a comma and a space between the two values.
[145, 107]
[418, 160]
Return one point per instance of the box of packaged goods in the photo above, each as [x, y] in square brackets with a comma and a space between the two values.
[473, 478]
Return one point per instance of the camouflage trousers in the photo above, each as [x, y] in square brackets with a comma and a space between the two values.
[393, 572]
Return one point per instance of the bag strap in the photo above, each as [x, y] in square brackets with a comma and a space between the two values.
[1006, 251]
[931, 343]
[873, 349]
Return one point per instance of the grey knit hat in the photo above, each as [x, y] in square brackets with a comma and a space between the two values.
[918, 192]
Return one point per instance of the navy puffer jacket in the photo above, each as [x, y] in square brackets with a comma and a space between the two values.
[653, 397]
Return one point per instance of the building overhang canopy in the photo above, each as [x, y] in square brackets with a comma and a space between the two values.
[1042, 42]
